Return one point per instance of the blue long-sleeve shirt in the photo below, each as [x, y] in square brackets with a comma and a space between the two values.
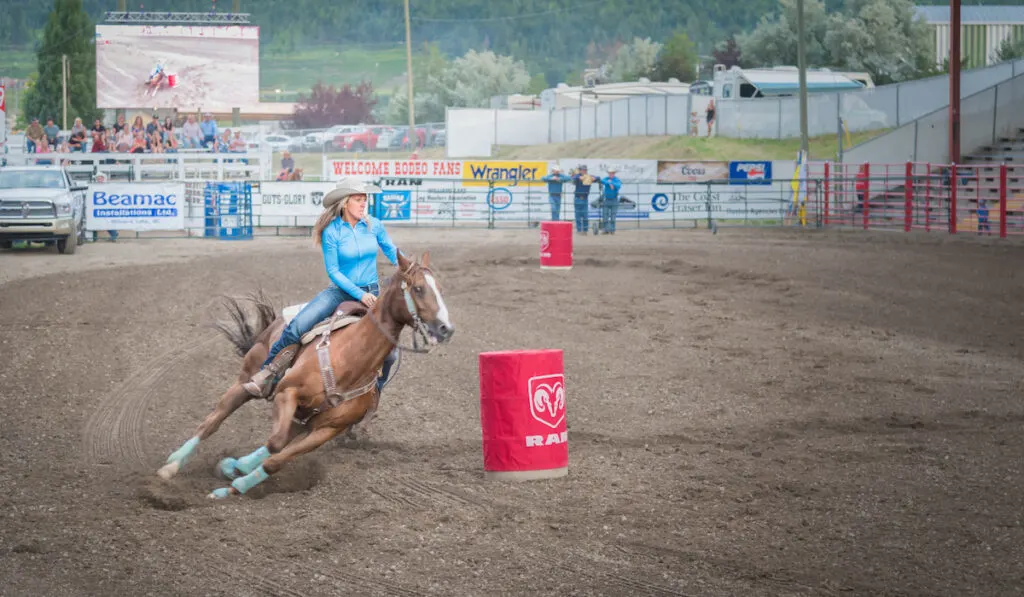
[209, 127]
[350, 254]
[611, 186]
[555, 182]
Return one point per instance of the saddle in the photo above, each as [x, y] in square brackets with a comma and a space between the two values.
[347, 313]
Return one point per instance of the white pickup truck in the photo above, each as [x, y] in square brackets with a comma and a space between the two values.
[41, 203]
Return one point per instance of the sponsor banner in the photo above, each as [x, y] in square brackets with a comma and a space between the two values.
[503, 173]
[695, 202]
[750, 173]
[289, 198]
[629, 171]
[676, 171]
[373, 170]
[145, 206]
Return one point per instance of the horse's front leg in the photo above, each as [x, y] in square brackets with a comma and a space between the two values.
[284, 431]
[234, 398]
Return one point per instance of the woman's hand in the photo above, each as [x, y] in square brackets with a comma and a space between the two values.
[369, 300]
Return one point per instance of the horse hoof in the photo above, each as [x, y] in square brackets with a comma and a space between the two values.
[227, 468]
[220, 493]
[169, 470]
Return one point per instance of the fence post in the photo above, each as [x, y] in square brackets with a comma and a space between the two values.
[952, 199]
[995, 114]
[908, 196]
[867, 194]
[1002, 201]
[827, 189]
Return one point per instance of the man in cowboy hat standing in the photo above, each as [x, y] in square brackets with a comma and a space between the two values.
[349, 239]
[610, 186]
[555, 181]
[581, 195]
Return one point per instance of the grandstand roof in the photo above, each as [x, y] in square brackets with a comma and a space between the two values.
[974, 15]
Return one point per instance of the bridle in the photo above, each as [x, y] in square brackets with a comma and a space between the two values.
[419, 328]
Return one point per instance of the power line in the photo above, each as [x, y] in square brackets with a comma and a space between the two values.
[510, 18]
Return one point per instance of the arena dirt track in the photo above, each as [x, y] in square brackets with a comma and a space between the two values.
[753, 413]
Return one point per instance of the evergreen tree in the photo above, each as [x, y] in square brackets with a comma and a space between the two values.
[69, 32]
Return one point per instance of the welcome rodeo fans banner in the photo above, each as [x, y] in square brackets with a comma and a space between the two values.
[140, 206]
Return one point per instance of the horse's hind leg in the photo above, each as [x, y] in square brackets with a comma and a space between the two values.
[235, 397]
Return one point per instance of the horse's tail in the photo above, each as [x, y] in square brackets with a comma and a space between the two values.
[243, 329]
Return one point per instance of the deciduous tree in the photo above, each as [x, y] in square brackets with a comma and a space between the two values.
[326, 106]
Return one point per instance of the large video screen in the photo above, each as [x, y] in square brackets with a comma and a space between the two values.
[190, 68]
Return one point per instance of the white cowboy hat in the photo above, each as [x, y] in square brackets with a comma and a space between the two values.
[346, 188]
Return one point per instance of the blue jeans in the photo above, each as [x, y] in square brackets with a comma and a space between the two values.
[556, 206]
[579, 204]
[321, 307]
[609, 209]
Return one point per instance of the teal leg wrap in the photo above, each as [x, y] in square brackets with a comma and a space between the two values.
[228, 467]
[248, 464]
[244, 484]
[183, 453]
[221, 493]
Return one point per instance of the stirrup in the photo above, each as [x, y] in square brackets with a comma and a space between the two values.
[262, 384]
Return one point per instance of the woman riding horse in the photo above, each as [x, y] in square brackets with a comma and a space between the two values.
[350, 239]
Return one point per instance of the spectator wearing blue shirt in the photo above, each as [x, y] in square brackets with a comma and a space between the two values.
[610, 186]
[983, 217]
[555, 181]
[349, 239]
[209, 128]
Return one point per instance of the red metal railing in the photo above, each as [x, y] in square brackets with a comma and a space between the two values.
[973, 198]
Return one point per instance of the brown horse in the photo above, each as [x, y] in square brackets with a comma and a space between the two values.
[355, 352]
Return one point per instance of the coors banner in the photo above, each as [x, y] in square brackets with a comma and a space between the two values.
[674, 171]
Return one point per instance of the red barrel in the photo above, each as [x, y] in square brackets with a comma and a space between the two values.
[555, 245]
[172, 79]
[522, 415]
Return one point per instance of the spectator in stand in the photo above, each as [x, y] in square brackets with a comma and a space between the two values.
[238, 144]
[120, 125]
[983, 217]
[223, 143]
[33, 135]
[209, 128]
[156, 145]
[192, 134]
[99, 141]
[138, 143]
[170, 142]
[52, 132]
[153, 126]
[555, 181]
[138, 126]
[610, 186]
[77, 140]
[123, 141]
[43, 146]
[78, 126]
[581, 196]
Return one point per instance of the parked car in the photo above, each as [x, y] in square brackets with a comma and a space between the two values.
[41, 203]
[357, 138]
[278, 142]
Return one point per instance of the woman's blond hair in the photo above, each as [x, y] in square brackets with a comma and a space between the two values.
[326, 217]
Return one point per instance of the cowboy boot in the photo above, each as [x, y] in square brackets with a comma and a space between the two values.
[262, 384]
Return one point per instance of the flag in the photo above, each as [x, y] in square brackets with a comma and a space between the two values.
[798, 184]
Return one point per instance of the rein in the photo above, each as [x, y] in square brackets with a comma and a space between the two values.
[418, 327]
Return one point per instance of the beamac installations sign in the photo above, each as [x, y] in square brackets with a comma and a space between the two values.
[145, 206]
[675, 172]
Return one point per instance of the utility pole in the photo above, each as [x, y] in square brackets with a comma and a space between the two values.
[801, 50]
[954, 81]
[64, 84]
[122, 5]
[408, 67]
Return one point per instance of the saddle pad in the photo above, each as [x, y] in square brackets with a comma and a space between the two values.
[320, 327]
[289, 313]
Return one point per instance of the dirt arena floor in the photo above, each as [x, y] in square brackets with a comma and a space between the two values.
[761, 412]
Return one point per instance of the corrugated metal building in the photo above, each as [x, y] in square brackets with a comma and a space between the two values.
[982, 30]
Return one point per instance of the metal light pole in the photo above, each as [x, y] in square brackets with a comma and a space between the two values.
[801, 50]
[64, 70]
[408, 68]
[954, 81]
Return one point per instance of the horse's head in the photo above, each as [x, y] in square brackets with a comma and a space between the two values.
[423, 304]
